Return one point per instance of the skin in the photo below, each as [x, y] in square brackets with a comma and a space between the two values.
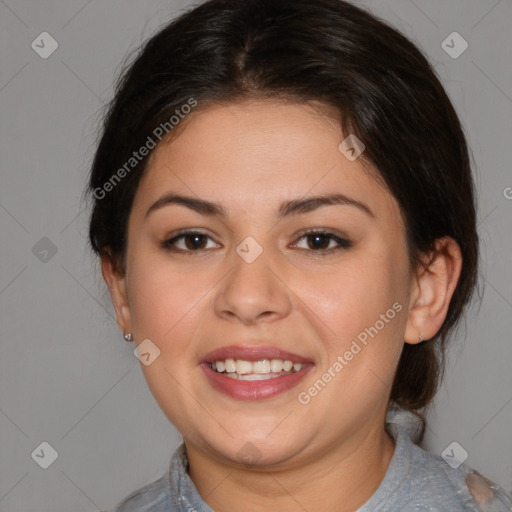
[250, 157]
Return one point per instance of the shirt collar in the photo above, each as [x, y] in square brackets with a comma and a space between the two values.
[185, 496]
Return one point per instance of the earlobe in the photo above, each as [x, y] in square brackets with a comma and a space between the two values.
[116, 283]
[433, 290]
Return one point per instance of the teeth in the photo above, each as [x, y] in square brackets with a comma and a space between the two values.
[264, 376]
[261, 366]
[229, 365]
[243, 367]
[257, 370]
[276, 365]
[287, 366]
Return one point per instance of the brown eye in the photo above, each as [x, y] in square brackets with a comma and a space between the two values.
[318, 241]
[191, 241]
[324, 241]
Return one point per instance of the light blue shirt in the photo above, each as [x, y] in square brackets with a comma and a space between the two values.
[415, 481]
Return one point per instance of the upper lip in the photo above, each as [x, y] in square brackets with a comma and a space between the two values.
[252, 353]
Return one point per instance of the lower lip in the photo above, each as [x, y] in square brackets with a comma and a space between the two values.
[254, 389]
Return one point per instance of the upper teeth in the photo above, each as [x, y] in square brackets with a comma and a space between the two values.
[242, 367]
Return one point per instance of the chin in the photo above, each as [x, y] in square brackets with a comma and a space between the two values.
[247, 451]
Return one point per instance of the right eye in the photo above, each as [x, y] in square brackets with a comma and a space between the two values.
[187, 241]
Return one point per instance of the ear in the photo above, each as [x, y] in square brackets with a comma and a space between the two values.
[116, 282]
[432, 290]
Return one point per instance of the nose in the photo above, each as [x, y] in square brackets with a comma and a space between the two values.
[253, 292]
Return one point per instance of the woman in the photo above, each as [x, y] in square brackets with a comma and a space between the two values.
[285, 216]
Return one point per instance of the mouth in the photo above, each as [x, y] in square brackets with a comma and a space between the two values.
[257, 370]
[254, 372]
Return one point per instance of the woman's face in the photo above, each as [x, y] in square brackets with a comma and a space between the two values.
[255, 283]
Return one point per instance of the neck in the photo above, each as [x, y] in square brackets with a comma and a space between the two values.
[341, 479]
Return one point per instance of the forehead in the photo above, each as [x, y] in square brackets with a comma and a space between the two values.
[257, 154]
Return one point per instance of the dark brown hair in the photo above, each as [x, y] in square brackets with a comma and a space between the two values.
[330, 51]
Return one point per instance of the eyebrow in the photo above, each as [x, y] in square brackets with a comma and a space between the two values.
[287, 208]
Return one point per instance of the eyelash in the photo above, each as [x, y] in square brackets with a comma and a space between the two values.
[343, 243]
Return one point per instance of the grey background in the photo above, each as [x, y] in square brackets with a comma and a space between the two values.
[66, 375]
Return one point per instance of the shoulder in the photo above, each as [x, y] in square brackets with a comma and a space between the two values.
[153, 497]
[487, 494]
[456, 488]
[434, 485]
[173, 492]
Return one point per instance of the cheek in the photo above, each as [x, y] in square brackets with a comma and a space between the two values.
[167, 306]
[363, 305]
[164, 300]
[351, 296]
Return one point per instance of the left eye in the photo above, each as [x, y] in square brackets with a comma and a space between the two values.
[321, 241]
